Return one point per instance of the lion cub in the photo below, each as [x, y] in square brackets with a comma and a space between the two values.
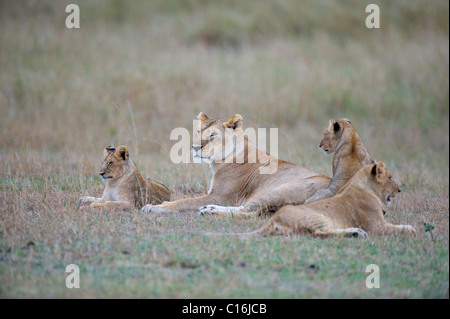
[125, 187]
[350, 155]
[355, 210]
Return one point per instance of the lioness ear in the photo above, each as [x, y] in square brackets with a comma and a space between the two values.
[122, 151]
[234, 122]
[108, 150]
[202, 117]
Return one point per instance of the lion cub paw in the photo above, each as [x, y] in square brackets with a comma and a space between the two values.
[356, 233]
[97, 204]
[408, 229]
[84, 208]
[85, 201]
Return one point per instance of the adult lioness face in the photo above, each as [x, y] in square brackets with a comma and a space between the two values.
[216, 140]
[114, 161]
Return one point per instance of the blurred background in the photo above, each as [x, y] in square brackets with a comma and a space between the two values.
[135, 70]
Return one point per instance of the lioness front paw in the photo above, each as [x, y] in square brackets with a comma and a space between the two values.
[152, 209]
[207, 210]
[147, 208]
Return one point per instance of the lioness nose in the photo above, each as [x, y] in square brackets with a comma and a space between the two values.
[102, 173]
[196, 148]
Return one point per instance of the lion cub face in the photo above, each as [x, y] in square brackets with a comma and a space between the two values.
[114, 162]
[215, 139]
[333, 135]
[384, 185]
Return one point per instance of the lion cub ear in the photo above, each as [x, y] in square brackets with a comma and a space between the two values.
[380, 168]
[235, 122]
[202, 117]
[333, 126]
[108, 150]
[377, 170]
[336, 126]
[122, 151]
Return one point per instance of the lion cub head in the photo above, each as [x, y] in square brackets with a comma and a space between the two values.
[381, 181]
[114, 163]
[336, 131]
[216, 139]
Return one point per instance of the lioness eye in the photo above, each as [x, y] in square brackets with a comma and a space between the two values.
[212, 135]
[110, 163]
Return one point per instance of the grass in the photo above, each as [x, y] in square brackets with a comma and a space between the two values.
[133, 72]
[138, 255]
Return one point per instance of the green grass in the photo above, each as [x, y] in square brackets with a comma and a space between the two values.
[147, 256]
[135, 71]
[130, 254]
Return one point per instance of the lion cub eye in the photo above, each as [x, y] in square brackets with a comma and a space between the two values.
[110, 163]
[212, 135]
[390, 178]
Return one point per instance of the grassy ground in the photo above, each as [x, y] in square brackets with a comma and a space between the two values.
[133, 72]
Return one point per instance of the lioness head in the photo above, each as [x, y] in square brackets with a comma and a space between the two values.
[382, 182]
[114, 162]
[334, 133]
[216, 139]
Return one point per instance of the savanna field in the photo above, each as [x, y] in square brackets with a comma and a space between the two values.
[134, 71]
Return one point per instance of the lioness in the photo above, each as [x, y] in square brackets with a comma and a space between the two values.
[350, 155]
[238, 184]
[125, 187]
[355, 210]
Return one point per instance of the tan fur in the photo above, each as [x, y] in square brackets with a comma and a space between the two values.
[237, 186]
[355, 210]
[125, 187]
[350, 155]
